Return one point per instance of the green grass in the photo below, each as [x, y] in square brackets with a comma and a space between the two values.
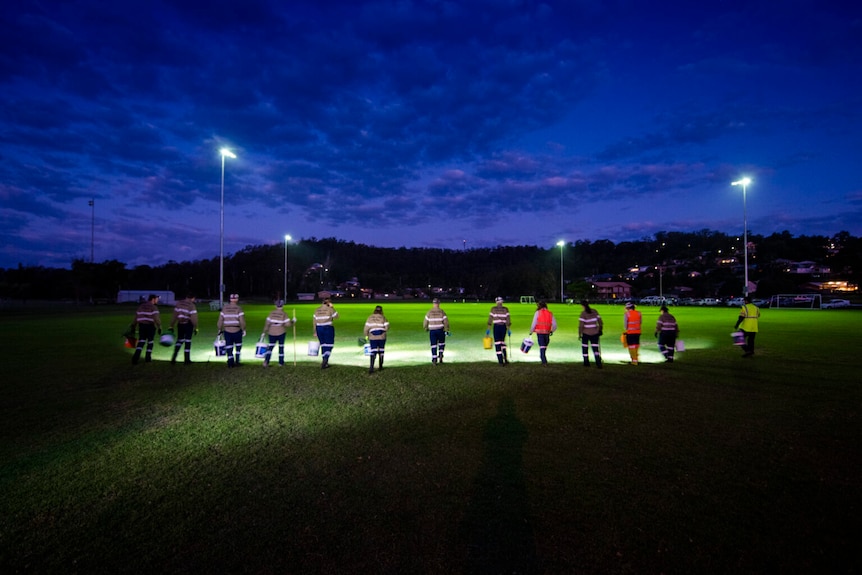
[712, 464]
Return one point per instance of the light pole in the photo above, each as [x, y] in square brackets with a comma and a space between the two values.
[287, 238]
[224, 153]
[561, 243]
[744, 183]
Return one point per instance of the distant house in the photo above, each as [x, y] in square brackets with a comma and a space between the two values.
[612, 290]
[806, 267]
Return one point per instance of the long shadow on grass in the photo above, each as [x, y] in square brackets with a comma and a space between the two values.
[497, 527]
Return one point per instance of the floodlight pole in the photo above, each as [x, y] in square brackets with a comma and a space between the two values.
[224, 153]
[287, 239]
[744, 183]
[561, 243]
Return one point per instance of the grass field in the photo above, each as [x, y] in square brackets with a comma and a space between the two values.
[713, 464]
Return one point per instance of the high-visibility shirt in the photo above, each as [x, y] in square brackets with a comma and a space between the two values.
[666, 322]
[436, 319]
[376, 326]
[185, 312]
[276, 322]
[590, 323]
[324, 315]
[148, 313]
[499, 316]
[232, 318]
[749, 314]
[632, 319]
[544, 322]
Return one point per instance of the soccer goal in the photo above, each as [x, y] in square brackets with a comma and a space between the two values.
[795, 301]
[528, 299]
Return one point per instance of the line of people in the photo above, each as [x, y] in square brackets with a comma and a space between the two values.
[232, 327]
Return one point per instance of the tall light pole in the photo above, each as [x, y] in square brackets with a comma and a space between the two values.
[224, 153]
[287, 238]
[561, 243]
[744, 183]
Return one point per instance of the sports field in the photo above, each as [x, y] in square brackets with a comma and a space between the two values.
[712, 464]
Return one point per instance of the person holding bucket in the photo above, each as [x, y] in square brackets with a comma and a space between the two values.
[186, 320]
[747, 321]
[324, 330]
[375, 330]
[501, 323]
[147, 320]
[436, 323]
[544, 325]
[231, 322]
[275, 327]
[589, 331]
[666, 330]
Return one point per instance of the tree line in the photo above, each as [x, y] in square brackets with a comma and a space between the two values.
[707, 262]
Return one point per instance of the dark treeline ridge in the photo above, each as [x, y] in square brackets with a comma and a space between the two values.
[708, 262]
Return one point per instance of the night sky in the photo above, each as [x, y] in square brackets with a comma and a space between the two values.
[420, 123]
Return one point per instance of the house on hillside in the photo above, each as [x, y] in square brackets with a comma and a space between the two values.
[612, 290]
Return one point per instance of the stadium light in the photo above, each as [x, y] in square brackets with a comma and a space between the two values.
[224, 153]
[744, 183]
[561, 243]
[287, 239]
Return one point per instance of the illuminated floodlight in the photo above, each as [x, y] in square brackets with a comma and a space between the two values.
[744, 182]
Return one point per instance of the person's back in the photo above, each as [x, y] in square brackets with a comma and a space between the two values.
[231, 318]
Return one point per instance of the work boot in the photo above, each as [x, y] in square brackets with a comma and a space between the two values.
[599, 362]
[586, 363]
[325, 363]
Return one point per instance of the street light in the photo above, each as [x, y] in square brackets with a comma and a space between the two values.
[284, 293]
[561, 243]
[744, 183]
[224, 153]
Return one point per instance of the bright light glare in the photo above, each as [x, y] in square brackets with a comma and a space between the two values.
[742, 182]
[287, 238]
[228, 153]
[561, 243]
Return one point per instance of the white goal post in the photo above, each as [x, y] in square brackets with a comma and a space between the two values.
[795, 301]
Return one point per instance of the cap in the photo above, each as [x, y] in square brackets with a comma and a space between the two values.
[630, 305]
[435, 300]
[324, 295]
[234, 296]
[279, 303]
[499, 300]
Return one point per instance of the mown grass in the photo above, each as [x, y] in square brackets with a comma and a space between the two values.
[713, 464]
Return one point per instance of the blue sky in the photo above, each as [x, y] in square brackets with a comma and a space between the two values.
[420, 123]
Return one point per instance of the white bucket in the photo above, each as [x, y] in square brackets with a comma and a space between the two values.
[313, 348]
[526, 345]
[680, 345]
[260, 349]
[366, 348]
[218, 346]
[738, 338]
[166, 340]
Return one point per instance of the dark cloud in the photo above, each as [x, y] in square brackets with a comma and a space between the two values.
[409, 113]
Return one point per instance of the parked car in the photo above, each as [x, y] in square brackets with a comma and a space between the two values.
[835, 303]
[736, 302]
[652, 300]
[709, 301]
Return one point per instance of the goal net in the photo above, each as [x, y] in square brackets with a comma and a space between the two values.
[795, 301]
[528, 299]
